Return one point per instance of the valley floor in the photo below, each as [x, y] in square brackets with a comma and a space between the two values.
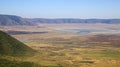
[57, 48]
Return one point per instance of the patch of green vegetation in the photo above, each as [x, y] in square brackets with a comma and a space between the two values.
[57, 42]
[110, 53]
[8, 63]
[58, 45]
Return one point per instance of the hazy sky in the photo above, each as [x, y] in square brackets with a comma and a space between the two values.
[61, 8]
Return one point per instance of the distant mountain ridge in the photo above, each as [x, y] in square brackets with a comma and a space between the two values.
[84, 21]
[11, 20]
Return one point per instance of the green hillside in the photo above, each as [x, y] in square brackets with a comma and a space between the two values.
[11, 46]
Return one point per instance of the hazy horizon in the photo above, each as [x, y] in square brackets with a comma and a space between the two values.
[83, 9]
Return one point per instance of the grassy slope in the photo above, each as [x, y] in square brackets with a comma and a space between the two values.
[11, 46]
[11, 52]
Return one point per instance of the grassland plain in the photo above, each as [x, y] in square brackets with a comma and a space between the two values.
[59, 49]
[76, 52]
[82, 56]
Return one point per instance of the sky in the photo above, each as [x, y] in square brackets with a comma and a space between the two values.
[61, 8]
